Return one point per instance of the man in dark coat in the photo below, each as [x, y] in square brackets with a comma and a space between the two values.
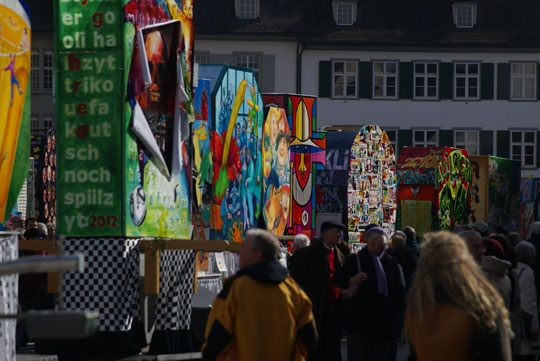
[313, 267]
[374, 309]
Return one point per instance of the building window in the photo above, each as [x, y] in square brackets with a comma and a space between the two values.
[523, 81]
[34, 60]
[425, 80]
[385, 79]
[247, 9]
[392, 137]
[48, 70]
[466, 81]
[201, 58]
[468, 140]
[425, 138]
[523, 147]
[344, 12]
[48, 122]
[35, 126]
[252, 62]
[464, 15]
[344, 79]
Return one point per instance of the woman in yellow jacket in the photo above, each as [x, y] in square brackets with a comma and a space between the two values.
[453, 312]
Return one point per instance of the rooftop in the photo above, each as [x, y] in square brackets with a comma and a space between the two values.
[499, 23]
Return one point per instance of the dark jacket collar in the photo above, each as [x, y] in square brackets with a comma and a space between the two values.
[318, 242]
[265, 272]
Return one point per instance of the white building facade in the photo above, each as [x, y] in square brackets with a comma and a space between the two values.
[482, 98]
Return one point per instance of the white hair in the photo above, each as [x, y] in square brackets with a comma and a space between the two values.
[535, 227]
[525, 252]
[301, 241]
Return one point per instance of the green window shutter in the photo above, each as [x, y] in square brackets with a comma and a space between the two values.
[503, 143]
[487, 72]
[406, 80]
[404, 138]
[486, 142]
[446, 73]
[446, 138]
[503, 82]
[365, 80]
[325, 79]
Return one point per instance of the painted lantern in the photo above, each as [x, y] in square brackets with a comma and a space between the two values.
[496, 193]
[434, 187]
[372, 182]
[307, 152]
[503, 192]
[235, 124]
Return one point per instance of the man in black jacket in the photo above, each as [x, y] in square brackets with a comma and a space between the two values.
[313, 267]
[373, 312]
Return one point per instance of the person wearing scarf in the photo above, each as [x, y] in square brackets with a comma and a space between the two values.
[372, 313]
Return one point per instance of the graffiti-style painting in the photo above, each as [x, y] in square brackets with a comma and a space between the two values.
[157, 101]
[202, 158]
[276, 170]
[145, 13]
[479, 188]
[439, 175]
[235, 130]
[454, 175]
[160, 37]
[416, 179]
[332, 181]
[504, 193]
[372, 182]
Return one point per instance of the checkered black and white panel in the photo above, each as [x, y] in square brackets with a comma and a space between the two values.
[8, 296]
[176, 277]
[109, 283]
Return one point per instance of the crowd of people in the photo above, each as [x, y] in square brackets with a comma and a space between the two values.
[29, 228]
[469, 294]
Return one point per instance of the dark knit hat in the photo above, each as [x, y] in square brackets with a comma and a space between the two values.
[374, 230]
[326, 225]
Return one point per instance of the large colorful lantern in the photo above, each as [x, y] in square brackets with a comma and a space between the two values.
[434, 187]
[307, 156]
[372, 182]
[235, 123]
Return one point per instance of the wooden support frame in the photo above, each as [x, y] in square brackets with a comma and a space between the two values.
[150, 247]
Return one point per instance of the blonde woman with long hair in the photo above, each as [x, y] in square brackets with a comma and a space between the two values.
[453, 313]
